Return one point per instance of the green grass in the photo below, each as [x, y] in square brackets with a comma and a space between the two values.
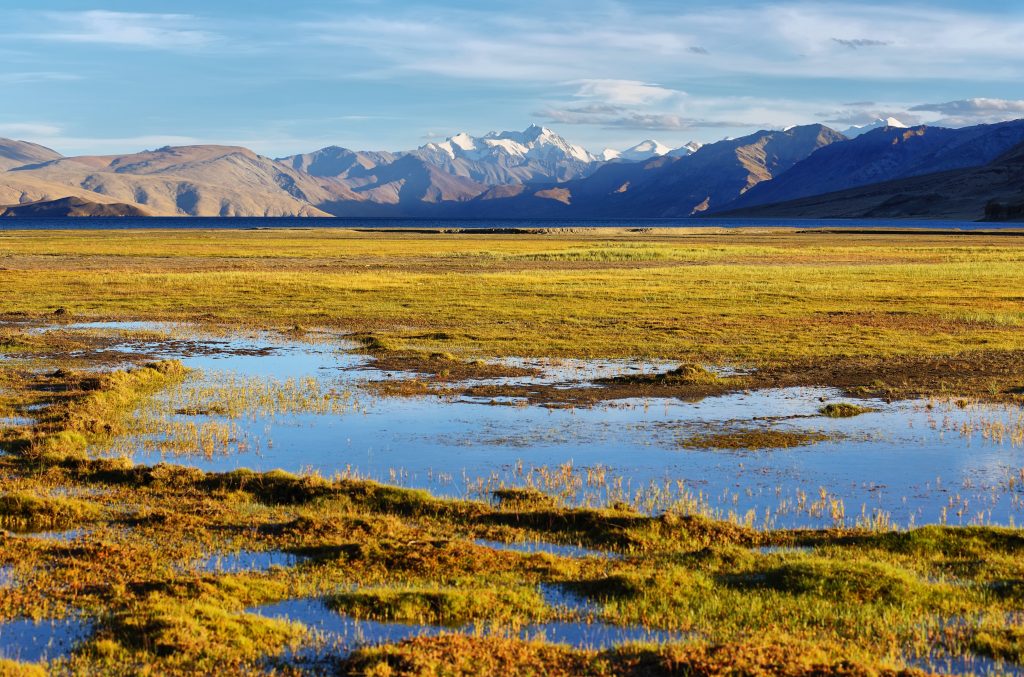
[857, 603]
[757, 297]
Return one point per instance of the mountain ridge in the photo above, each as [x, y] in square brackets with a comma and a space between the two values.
[536, 173]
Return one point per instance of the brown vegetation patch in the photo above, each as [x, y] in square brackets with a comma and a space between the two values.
[460, 655]
[753, 439]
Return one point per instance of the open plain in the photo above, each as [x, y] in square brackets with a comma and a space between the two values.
[559, 452]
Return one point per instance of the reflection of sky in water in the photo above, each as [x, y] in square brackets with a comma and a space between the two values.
[897, 459]
[55, 536]
[980, 666]
[31, 641]
[345, 633]
[531, 547]
[245, 561]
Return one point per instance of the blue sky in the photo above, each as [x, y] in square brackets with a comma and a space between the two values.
[286, 77]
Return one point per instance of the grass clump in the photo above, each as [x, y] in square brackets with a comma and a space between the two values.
[375, 344]
[199, 634]
[844, 410]
[837, 580]
[9, 668]
[1005, 644]
[450, 607]
[684, 374]
[754, 439]
[526, 498]
[25, 511]
[462, 656]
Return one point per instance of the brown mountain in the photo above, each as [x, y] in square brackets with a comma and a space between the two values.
[186, 181]
[994, 191]
[17, 153]
[71, 206]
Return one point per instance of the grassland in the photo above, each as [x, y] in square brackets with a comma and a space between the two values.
[757, 296]
[833, 602]
[887, 313]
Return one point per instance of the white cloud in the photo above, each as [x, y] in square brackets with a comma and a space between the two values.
[133, 29]
[29, 129]
[855, 114]
[625, 92]
[967, 112]
[633, 43]
[621, 117]
[974, 107]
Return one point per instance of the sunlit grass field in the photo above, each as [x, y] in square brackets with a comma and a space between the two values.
[729, 296]
[861, 597]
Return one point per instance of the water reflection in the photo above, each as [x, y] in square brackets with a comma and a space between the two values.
[905, 463]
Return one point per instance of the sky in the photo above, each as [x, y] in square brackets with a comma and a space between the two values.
[118, 76]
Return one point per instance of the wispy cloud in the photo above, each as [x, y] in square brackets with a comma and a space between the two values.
[635, 42]
[857, 43]
[625, 92]
[621, 117]
[974, 107]
[29, 129]
[130, 29]
[966, 112]
[855, 114]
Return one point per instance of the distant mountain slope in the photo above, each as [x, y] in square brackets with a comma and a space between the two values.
[71, 206]
[337, 162]
[17, 153]
[408, 186]
[666, 186]
[994, 190]
[881, 123]
[191, 181]
[886, 154]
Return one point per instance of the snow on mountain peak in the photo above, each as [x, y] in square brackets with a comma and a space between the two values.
[880, 123]
[688, 148]
[644, 150]
[534, 142]
[463, 141]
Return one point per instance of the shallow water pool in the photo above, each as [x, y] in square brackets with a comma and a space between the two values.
[904, 463]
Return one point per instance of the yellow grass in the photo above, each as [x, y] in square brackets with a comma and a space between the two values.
[716, 295]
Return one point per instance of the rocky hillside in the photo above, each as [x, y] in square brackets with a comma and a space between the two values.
[994, 191]
[886, 154]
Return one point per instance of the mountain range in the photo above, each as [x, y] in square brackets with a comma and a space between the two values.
[812, 171]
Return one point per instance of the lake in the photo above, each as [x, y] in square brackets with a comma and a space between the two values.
[243, 223]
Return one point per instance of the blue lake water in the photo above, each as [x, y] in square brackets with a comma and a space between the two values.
[28, 640]
[433, 223]
[910, 462]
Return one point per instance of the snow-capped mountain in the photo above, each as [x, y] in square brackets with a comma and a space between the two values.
[534, 154]
[533, 142]
[880, 123]
[686, 149]
[645, 150]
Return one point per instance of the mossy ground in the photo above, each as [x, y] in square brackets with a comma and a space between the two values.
[853, 602]
[889, 314]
